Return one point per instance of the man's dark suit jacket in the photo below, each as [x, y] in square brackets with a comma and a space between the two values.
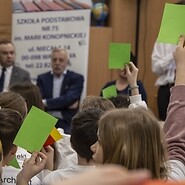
[19, 75]
[71, 90]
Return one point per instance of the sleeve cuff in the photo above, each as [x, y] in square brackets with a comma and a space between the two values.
[135, 98]
[44, 102]
[136, 101]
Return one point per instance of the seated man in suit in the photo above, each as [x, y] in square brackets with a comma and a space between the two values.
[9, 73]
[61, 89]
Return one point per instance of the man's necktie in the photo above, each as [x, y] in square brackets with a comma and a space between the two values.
[2, 79]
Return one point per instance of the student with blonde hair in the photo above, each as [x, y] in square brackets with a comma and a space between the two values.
[132, 138]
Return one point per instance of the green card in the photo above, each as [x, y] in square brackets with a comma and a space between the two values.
[119, 55]
[109, 92]
[172, 25]
[14, 163]
[35, 130]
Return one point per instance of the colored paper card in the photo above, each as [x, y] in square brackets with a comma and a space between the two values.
[171, 25]
[119, 55]
[109, 92]
[14, 163]
[53, 137]
[35, 130]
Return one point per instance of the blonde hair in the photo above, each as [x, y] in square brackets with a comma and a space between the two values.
[133, 138]
[96, 102]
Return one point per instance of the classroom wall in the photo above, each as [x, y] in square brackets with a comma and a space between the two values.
[121, 27]
[5, 19]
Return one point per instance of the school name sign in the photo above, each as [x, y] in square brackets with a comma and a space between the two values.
[35, 34]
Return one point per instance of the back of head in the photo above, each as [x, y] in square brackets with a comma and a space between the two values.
[120, 101]
[135, 142]
[96, 102]
[10, 124]
[30, 93]
[84, 128]
[13, 101]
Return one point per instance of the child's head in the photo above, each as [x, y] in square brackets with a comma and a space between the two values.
[10, 124]
[30, 93]
[84, 128]
[13, 101]
[132, 138]
[120, 101]
[96, 102]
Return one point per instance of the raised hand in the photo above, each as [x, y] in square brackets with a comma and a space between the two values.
[179, 56]
[31, 167]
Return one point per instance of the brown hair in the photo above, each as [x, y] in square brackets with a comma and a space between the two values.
[1, 151]
[96, 102]
[133, 138]
[4, 42]
[84, 128]
[30, 93]
[10, 124]
[13, 101]
[120, 101]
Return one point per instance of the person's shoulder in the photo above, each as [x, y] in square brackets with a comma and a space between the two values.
[45, 74]
[110, 83]
[74, 74]
[17, 68]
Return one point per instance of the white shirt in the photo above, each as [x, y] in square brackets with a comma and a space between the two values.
[65, 155]
[176, 171]
[136, 101]
[163, 63]
[8, 74]
[64, 174]
[57, 85]
[9, 176]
